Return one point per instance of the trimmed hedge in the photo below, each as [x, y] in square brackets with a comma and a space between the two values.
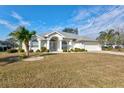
[117, 47]
[44, 49]
[22, 50]
[37, 50]
[78, 50]
[65, 50]
[31, 51]
[107, 47]
[12, 50]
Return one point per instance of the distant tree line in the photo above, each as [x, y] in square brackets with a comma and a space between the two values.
[111, 37]
[71, 30]
[8, 44]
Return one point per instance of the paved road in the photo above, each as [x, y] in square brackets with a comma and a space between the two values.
[110, 52]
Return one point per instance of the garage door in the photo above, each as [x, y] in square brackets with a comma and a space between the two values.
[93, 47]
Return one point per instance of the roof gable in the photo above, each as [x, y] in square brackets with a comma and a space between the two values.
[69, 35]
[51, 33]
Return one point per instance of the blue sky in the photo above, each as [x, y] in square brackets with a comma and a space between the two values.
[90, 20]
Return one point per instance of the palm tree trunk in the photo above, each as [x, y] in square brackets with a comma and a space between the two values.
[27, 49]
[20, 45]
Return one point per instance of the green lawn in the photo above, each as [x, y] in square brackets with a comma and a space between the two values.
[64, 70]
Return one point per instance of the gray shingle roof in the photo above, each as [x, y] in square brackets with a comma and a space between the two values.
[71, 36]
[74, 36]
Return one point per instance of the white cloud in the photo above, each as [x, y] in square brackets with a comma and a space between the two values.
[56, 28]
[20, 19]
[81, 15]
[7, 24]
[12, 26]
[111, 17]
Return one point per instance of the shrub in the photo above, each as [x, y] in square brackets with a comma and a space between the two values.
[107, 47]
[78, 50]
[31, 51]
[37, 50]
[71, 50]
[44, 49]
[65, 50]
[22, 56]
[47, 50]
[83, 50]
[22, 50]
[117, 47]
[12, 50]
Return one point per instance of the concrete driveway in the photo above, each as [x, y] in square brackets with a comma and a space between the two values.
[111, 52]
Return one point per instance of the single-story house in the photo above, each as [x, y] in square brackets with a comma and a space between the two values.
[58, 41]
[4, 45]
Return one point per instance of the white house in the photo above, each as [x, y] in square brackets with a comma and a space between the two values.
[57, 41]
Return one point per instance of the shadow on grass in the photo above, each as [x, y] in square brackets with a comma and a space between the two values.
[8, 60]
[15, 58]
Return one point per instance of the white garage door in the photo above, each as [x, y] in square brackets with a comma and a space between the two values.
[93, 47]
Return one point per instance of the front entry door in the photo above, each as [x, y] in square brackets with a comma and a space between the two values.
[53, 46]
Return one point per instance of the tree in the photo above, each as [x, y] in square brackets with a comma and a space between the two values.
[11, 42]
[122, 38]
[116, 38]
[105, 37]
[23, 36]
[71, 30]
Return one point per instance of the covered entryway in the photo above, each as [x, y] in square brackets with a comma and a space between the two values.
[53, 44]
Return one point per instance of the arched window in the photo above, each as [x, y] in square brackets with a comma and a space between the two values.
[34, 43]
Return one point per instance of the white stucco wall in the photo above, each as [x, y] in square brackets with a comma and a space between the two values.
[88, 47]
[78, 45]
[93, 47]
[43, 44]
[34, 48]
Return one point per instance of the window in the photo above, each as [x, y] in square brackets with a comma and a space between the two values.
[34, 43]
[64, 45]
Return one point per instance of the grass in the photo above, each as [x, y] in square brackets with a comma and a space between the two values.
[118, 50]
[115, 50]
[65, 70]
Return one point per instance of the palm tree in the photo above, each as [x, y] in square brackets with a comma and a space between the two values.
[106, 36]
[117, 39]
[23, 36]
[102, 37]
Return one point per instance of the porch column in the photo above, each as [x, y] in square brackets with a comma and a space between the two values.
[39, 44]
[60, 46]
[48, 44]
[70, 44]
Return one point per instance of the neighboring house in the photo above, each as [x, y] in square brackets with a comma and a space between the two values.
[58, 41]
[4, 46]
